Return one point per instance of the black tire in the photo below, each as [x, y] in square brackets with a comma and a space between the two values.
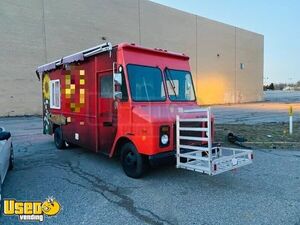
[11, 158]
[58, 139]
[133, 163]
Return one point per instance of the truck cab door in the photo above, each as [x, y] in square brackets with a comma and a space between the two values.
[106, 112]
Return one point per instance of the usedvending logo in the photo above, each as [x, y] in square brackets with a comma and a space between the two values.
[31, 210]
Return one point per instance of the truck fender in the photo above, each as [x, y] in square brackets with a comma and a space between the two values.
[118, 143]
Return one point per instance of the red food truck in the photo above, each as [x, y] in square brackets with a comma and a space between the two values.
[133, 102]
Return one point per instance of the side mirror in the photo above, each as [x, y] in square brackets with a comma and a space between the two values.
[117, 84]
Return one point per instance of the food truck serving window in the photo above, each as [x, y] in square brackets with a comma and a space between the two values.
[55, 94]
[145, 83]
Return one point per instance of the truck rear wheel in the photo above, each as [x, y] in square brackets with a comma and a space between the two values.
[133, 163]
[58, 139]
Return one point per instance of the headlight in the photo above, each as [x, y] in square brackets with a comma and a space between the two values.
[164, 136]
[164, 139]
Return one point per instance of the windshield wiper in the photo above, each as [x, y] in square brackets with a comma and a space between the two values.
[169, 78]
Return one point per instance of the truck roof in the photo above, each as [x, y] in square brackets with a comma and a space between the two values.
[153, 50]
[82, 55]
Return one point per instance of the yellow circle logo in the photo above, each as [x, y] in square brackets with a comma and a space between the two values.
[46, 88]
[50, 207]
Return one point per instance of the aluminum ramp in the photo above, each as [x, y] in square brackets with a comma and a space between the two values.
[195, 150]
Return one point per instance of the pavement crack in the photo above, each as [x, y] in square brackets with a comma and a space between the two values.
[33, 164]
[114, 195]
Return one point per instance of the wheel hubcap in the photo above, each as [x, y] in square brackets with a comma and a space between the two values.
[131, 160]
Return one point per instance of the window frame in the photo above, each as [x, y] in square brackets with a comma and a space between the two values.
[124, 85]
[161, 75]
[100, 86]
[186, 71]
[53, 95]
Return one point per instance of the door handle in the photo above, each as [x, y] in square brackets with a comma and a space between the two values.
[107, 124]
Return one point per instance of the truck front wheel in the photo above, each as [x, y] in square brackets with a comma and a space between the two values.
[58, 139]
[134, 164]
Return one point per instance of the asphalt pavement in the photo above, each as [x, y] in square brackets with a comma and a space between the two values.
[275, 109]
[92, 189]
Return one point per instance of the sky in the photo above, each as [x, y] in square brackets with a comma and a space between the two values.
[277, 20]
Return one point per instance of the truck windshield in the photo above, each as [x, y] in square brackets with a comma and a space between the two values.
[146, 83]
[180, 85]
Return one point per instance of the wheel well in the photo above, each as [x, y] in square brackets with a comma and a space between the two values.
[121, 142]
[54, 127]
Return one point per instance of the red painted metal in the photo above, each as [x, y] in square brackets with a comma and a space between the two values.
[101, 122]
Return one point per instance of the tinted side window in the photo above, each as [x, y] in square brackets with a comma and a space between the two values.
[106, 88]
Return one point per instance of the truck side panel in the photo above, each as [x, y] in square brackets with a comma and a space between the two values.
[80, 111]
[76, 82]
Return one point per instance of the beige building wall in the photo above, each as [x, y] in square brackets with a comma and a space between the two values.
[216, 75]
[170, 29]
[250, 52]
[34, 32]
[21, 49]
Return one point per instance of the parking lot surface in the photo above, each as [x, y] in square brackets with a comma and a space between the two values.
[93, 189]
[274, 109]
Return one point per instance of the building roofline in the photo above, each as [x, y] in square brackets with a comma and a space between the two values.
[202, 17]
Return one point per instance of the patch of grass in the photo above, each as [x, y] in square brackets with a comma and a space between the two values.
[266, 135]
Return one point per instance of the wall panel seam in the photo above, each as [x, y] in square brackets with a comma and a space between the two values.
[44, 30]
[139, 15]
[196, 52]
[235, 67]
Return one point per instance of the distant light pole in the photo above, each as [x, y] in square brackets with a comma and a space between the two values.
[291, 113]
[266, 80]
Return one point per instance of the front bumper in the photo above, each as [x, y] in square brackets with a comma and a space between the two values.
[169, 157]
[164, 158]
